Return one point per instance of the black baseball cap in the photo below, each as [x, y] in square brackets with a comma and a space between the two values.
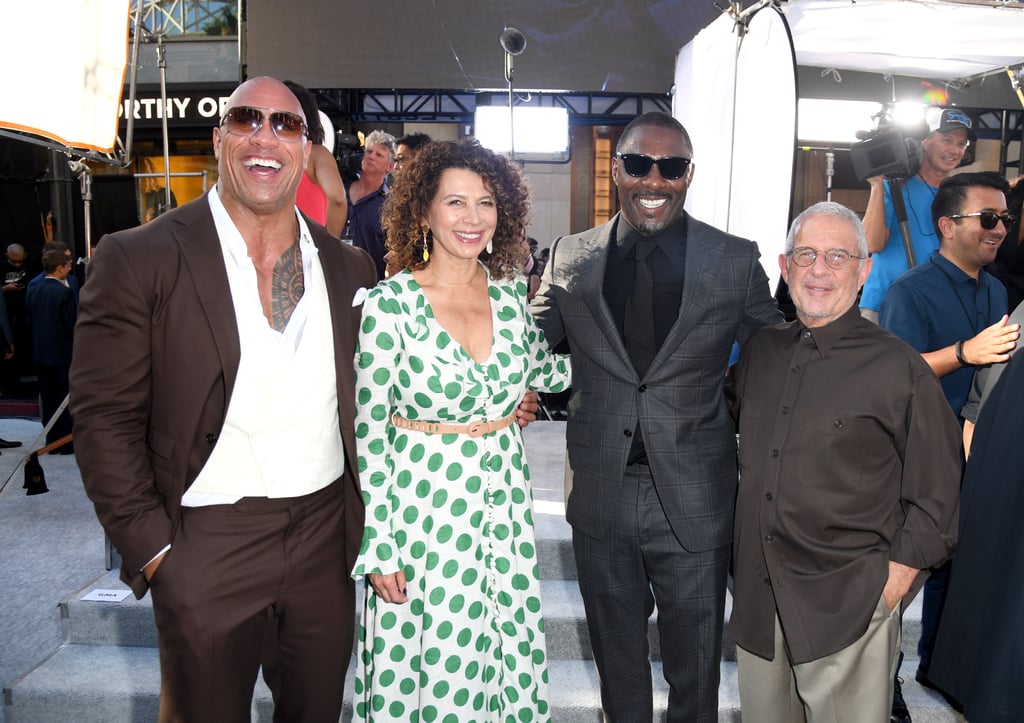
[951, 119]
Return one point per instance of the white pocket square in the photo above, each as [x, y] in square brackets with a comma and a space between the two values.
[360, 296]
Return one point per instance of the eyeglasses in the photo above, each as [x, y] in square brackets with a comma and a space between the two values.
[246, 121]
[639, 165]
[834, 258]
[988, 219]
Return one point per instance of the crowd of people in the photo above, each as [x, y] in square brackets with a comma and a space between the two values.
[929, 287]
[262, 426]
[38, 308]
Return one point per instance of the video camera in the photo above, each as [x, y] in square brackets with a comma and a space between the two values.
[348, 154]
[885, 151]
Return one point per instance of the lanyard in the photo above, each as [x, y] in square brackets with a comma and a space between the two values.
[971, 319]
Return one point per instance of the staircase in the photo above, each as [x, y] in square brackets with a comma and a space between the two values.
[107, 669]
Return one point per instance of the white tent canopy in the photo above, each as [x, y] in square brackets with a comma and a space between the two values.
[928, 38]
[71, 95]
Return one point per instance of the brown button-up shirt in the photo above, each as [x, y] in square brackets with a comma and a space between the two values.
[849, 458]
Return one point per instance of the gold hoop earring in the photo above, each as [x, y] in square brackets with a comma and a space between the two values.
[426, 249]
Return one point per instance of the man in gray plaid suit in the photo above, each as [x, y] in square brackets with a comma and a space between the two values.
[651, 303]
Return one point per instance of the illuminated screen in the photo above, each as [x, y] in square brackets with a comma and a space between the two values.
[834, 121]
[541, 134]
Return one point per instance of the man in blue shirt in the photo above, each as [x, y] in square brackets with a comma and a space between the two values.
[948, 307]
[954, 313]
[941, 152]
[366, 198]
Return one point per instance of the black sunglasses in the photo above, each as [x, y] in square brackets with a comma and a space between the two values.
[988, 219]
[639, 165]
[246, 121]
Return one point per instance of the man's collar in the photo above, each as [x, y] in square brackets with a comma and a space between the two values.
[955, 272]
[626, 237]
[381, 187]
[825, 337]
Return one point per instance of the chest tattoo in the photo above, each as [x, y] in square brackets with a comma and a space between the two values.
[286, 287]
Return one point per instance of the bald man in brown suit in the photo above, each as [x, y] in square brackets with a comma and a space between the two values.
[212, 388]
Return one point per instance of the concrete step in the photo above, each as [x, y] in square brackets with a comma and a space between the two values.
[130, 622]
[554, 541]
[104, 683]
[101, 684]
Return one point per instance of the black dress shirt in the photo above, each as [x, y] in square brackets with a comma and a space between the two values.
[667, 275]
[667, 263]
[849, 458]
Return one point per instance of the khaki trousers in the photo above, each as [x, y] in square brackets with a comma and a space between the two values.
[854, 684]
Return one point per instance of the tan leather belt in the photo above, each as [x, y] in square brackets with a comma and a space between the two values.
[473, 429]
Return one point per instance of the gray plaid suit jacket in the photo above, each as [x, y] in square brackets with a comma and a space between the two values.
[688, 433]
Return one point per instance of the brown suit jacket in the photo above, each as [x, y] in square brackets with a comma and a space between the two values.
[155, 359]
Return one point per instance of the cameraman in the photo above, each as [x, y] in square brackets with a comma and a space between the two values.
[941, 152]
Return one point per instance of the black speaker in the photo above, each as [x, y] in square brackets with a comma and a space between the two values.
[512, 41]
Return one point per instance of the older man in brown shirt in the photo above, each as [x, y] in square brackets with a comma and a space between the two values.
[848, 489]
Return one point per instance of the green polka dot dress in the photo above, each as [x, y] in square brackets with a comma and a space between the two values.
[455, 513]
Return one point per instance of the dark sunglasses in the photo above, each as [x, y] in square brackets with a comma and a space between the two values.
[246, 121]
[988, 219]
[638, 165]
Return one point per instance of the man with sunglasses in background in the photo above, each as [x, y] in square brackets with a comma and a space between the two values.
[651, 303]
[849, 489]
[406, 149]
[943, 151]
[212, 388]
[954, 313]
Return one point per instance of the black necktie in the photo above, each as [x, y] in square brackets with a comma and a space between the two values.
[638, 327]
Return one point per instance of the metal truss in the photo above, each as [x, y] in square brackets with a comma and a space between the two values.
[447, 106]
[182, 17]
[995, 122]
[1012, 128]
[1007, 126]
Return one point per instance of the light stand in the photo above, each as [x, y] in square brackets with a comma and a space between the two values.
[161, 54]
[140, 32]
[830, 171]
[830, 165]
[513, 43]
[85, 181]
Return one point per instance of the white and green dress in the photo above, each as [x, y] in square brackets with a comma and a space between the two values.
[454, 512]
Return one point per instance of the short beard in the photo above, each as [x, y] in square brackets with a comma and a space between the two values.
[645, 227]
[649, 228]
